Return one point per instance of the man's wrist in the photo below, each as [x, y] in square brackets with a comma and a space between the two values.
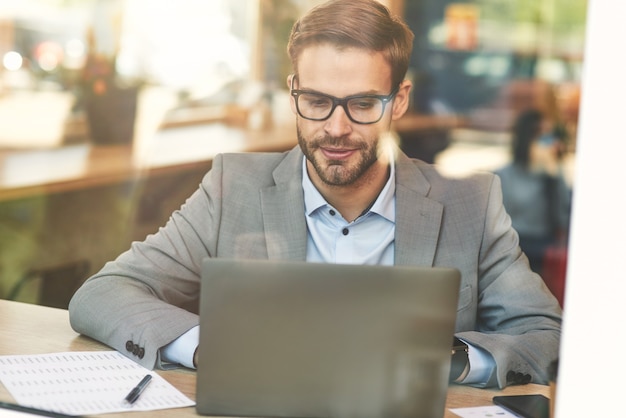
[183, 349]
[459, 363]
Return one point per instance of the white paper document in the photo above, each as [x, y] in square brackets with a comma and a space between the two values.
[491, 411]
[85, 383]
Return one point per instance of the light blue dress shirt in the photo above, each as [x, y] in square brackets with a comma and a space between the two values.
[369, 239]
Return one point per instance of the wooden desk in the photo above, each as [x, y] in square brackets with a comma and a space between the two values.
[424, 136]
[33, 329]
[27, 173]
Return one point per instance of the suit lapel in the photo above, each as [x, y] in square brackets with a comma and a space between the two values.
[418, 218]
[283, 211]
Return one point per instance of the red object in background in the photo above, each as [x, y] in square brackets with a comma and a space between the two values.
[554, 271]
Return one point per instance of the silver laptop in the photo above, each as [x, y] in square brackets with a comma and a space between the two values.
[295, 339]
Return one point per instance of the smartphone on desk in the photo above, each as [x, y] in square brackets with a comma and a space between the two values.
[526, 406]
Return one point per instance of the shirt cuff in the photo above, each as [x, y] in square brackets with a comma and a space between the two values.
[481, 364]
[182, 349]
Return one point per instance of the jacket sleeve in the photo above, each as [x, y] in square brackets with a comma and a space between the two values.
[518, 319]
[148, 296]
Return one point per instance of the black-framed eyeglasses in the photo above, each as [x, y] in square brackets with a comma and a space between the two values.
[364, 109]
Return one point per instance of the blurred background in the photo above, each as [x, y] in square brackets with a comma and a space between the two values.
[111, 110]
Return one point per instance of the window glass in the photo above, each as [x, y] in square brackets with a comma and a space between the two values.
[109, 114]
[504, 79]
[111, 110]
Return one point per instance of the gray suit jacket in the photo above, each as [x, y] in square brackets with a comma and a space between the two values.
[251, 206]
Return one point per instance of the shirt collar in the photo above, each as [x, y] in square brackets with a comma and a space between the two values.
[384, 205]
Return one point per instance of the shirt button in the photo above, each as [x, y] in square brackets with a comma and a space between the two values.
[332, 212]
[345, 231]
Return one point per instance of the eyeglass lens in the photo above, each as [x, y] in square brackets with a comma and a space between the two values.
[361, 109]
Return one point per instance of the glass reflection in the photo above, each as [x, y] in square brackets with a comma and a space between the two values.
[199, 76]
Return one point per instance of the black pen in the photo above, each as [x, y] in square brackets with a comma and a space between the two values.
[137, 390]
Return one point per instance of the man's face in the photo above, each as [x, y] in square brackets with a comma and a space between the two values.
[341, 152]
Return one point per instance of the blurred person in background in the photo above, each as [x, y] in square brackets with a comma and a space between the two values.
[535, 192]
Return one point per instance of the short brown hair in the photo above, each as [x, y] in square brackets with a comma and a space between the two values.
[365, 24]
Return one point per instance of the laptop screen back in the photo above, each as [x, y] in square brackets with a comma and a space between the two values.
[295, 339]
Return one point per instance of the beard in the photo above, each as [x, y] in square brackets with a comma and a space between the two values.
[339, 172]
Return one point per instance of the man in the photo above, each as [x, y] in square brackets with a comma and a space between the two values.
[346, 194]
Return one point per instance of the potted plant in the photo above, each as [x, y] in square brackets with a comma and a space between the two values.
[109, 100]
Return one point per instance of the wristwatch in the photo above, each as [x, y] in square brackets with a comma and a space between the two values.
[459, 366]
